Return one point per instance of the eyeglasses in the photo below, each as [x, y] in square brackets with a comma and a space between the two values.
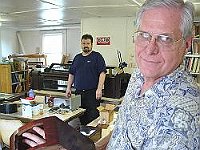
[163, 40]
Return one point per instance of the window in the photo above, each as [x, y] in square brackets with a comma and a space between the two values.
[52, 46]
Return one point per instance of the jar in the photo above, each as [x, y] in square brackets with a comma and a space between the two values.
[50, 101]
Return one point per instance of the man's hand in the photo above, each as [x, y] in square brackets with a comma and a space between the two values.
[68, 93]
[34, 140]
[98, 94]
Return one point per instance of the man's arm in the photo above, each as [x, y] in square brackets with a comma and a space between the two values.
[69, 85]
[34, 140]
[100, 85]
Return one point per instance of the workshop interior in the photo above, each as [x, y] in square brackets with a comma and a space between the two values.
[38, 42]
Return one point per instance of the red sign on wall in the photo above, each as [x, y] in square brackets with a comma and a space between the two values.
[103, 40]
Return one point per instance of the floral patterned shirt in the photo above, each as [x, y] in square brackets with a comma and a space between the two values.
[166, 117]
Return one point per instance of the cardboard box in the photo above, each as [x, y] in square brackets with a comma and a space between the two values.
[106, 113]
[31, 110]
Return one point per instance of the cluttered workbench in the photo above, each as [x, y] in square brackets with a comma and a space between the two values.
[41, 111]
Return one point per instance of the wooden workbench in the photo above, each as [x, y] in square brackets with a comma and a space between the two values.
[67, 116]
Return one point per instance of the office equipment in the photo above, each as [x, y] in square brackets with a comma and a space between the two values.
[8, 108]
[53, 78]
[73, 103]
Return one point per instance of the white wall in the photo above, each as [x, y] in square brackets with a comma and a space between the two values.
[120, 31]
[9, 42]
[73, 41]
[31, 40]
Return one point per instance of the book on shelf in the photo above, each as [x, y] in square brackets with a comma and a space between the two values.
[18, 88]
[194, 66]
[12, 67]
[20, 76]
[198, 66]
[15, 77]
[197, 29]
[190, 63]
[195, 46]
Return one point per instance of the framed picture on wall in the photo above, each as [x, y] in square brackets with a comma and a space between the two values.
[103, 40]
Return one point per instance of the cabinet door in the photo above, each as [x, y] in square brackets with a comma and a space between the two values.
[5, 78]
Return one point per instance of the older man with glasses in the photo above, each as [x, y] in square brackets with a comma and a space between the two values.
[161, 108]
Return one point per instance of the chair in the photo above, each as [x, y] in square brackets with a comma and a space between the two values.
[59, 135]
[7, 128]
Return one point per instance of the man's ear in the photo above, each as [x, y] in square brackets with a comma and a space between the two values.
[188, 43]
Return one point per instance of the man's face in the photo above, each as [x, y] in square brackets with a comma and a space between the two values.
[86, 45]
[154, 59]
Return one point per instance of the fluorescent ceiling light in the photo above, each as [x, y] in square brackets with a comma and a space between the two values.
[138, 3]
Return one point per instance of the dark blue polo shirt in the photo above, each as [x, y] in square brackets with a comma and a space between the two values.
[86, 70]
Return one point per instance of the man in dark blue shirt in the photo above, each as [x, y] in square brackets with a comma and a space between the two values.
[87, 72]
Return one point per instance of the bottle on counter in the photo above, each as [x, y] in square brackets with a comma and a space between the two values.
[31, 94]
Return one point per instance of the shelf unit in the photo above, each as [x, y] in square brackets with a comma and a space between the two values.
[29, 56]
[12, 81]
[192, 59]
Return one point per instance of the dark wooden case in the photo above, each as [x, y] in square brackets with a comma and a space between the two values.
[115, 86]
[59, 135]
